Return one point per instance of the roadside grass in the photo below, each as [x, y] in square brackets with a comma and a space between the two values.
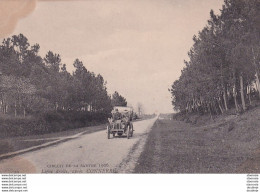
[13, 144]
[157, 156]
[229, 144]
[66, 133]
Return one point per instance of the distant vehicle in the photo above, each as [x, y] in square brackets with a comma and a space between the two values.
[121, 122]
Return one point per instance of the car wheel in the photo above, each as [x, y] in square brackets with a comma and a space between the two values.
[108, 132]
[132, 130]
[128, 131]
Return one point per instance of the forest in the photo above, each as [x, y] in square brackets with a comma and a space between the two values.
[222, 72]
[38, 94]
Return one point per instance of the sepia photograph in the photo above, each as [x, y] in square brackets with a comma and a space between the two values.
[129, 87]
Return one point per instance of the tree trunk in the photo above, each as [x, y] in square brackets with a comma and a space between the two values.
[249, 94]
[190, 109]
[56, 106]
[257, 84]
[224, 89]
[209, 108]
[219, 105]
[249, 97]
[187, 108]
[235, 97]
[225, 99]
[15, 112]
[3, 106]
[242, 92]
[256, 71]
[215, 108]
[204, 109]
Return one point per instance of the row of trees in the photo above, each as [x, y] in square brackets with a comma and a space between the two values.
[223, 67]
[30, 84]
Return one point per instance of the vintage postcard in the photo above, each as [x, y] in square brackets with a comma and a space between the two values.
[129, 86]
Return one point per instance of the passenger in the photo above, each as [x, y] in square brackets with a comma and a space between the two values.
[116, 115]
[125, 117]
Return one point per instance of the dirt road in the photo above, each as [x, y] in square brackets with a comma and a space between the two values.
[91, 153]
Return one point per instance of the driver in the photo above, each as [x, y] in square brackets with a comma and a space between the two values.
[116, 115]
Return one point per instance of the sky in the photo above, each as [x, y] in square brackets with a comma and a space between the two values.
[138, 46]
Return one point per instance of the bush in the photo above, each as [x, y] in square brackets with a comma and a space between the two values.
[48, 122]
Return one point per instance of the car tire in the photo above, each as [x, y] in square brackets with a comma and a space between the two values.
[108, 132]
[128, 132]
[132, 130]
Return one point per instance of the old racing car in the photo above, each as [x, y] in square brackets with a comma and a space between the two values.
[121, 122]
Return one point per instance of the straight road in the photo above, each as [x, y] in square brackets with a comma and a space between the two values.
[91, 153]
